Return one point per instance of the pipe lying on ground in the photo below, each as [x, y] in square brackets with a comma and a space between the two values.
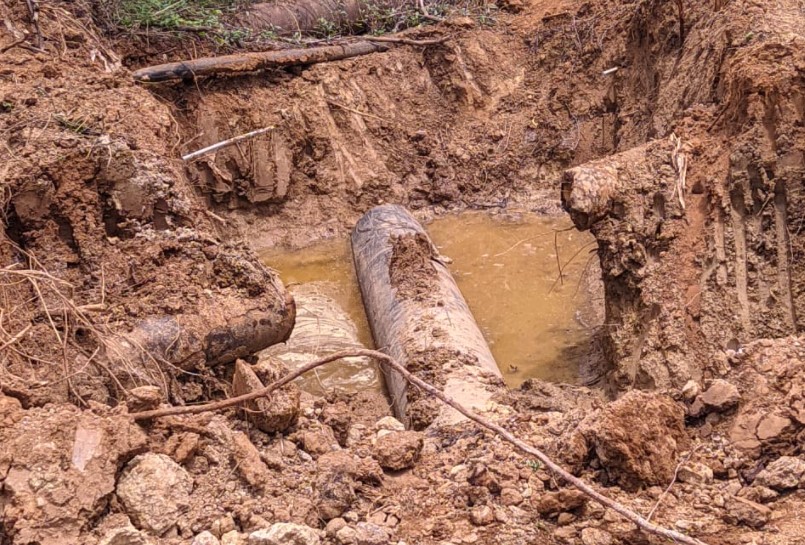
[418, 315]
[252, 62]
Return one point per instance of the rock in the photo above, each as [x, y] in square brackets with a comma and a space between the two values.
[222, 525]
[347, 536]
[285, 533]
[247, 460]
[334, 525]
[721, 396]
[742, 432]
[749, 513]
[482, 515]
[274, 414]
[127, 535]
[205, 538]
[143, 398]
[565, 518]
[637, 438]
[155, 491]
[232, 538]
[695, 473]
[772, 427]
[758, 494]
[510, 496]
[690, 390]
[389, 423]
[551, 503]
[398, 450]
[784, 473]
[58, 467]
[367, 533]
[595, 536]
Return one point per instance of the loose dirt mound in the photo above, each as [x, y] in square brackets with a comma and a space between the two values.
[122, 267]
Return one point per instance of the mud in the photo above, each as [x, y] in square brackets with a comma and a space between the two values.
[106, 232]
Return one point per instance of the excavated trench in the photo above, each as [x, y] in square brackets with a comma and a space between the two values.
[507, 266]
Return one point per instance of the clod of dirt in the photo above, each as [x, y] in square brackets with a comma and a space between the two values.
[637, 438]
[284, 533]
[398, 450]
[59, 468]
[339, 475]
[367, 533]
[411, 269]
[155, 491]
[279, 411]
[552, 503]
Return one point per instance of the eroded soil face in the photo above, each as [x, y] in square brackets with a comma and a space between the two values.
[129, 277]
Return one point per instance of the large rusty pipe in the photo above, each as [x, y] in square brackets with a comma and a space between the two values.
[403, 325]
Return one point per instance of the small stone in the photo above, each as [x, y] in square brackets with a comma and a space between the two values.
[334, 525]
[595, 536]
[127, 535]
[285, 533]
[247, 460]
[784, 473]
[510, 496]
[747, 512]
[155, 491]
[482, 515]
[689, 392]
[367, 533]
[758, 494]
[232, 538]
[222, 525]
[565, 518]
[347, 536]
[695, 473]
[720, 396]
[143, 398]
[206, 538]
[398, 450]
[389, 423]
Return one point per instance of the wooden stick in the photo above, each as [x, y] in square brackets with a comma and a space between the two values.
[406, 41]
[252, 62]
[225, 143]
[387, 361]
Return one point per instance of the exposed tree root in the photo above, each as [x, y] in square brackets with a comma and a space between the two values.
[389, 362]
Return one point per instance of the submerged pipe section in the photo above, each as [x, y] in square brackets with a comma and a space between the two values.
[417, 313]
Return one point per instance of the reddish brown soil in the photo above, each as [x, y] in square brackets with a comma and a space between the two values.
[108, 236]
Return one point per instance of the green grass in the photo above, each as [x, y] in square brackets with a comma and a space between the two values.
[173, 14]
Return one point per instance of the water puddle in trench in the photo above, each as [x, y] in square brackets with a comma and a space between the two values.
[537, 325]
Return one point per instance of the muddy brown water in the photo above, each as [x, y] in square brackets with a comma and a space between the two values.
[537, 325]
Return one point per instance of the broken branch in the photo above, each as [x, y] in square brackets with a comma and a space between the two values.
[252, 62]
[407, 41]
[387, 361]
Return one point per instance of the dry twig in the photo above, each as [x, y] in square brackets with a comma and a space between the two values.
[225, 143]
[387, 361]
